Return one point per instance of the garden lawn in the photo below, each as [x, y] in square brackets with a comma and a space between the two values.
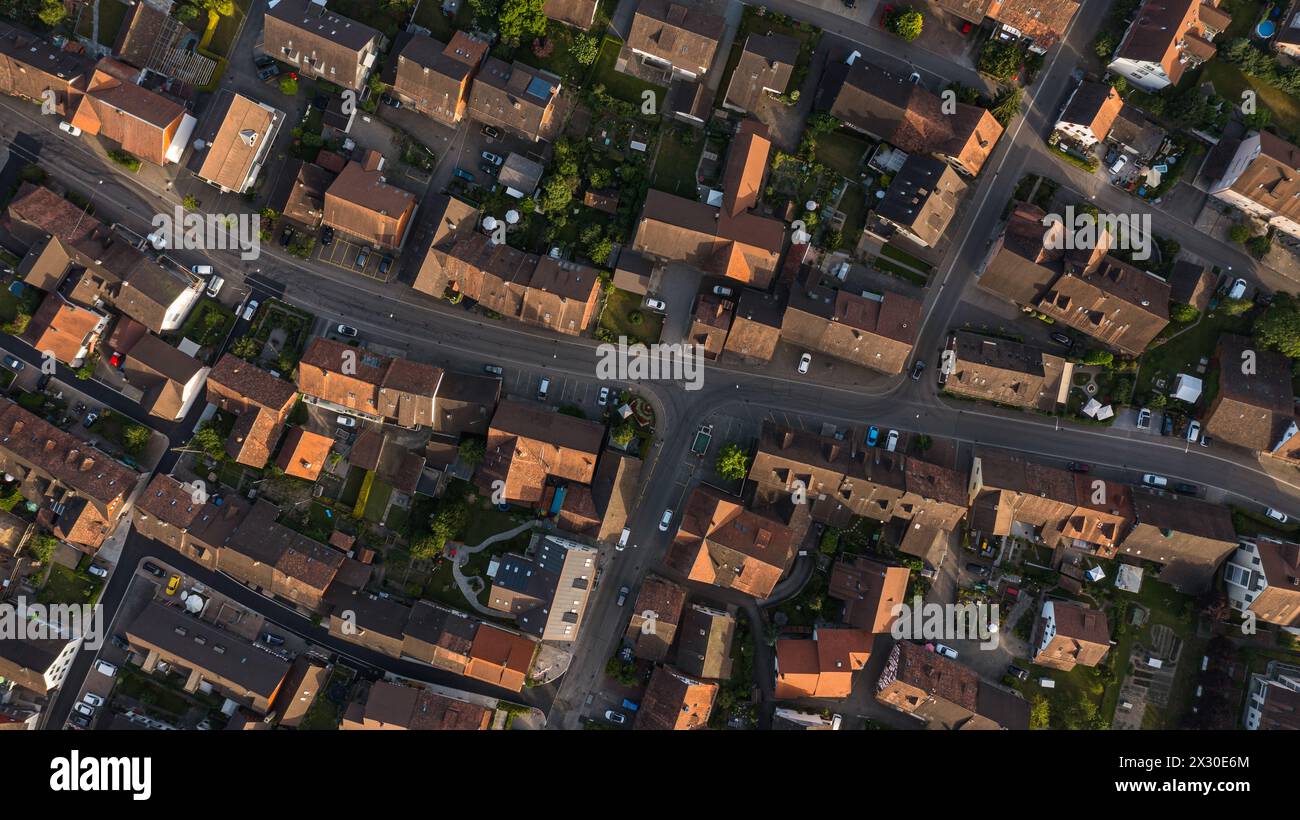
[1183, 353]
[843, 153]
[200, 327]
[675, 163]
[619, 85]
[1229, 82]
[67, 586]
[620, 303]
[111, 15]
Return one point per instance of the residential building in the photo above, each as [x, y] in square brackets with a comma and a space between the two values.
[1287, 39]
[1192, 283]
[299, 194]
[529, 445]
[876, 330]
[710, 322]
[520, 175]
[1188, 536]
[1012, 496]
[580, 14]
[674, 37]
[755, 326]
[305, 684]
[363, 204]
[355, 381]
[655, 617]
[765, 66]
[68, 331]
[31, 67]
[38, 215]
[204, 654]
[184, 518]
[1007, 373]
[1273, 698]
[281, 562]
[144, 123]
[1090, 113]
[397, 706]
[434, 79]
[39, 665]
[516, 97]
[235, 142]
[501, 658]
[304, 453]
[731, 240]
[823, 666]
[58, 471]
[1068, 635]
[1255, 405]
[320, 43]
[439, 636]
[945, 694]
[922, 199]
[690, 101]
[169, 381]
[1091, 291]
[704, 650]
[719, 542]
[870, 592]
[394, 464]
[1257, 174]
[1167, 38]
[907, 115]
[261, 401]
[1263, 577]
[674, 701]
[1041, 23]
[466, 403]
[547, 590]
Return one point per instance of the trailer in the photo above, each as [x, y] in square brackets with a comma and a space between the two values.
[703, 436]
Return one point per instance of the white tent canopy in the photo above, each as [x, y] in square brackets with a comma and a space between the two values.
[1187, 388]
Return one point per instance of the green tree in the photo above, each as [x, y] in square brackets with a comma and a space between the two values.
[1006, 105]
[1279, 327]
[1157, 401]
[41, 547]
[1000, 60]
[208, 439]
[621, 432]
[472, 451]
[191, 202]
[289, 87]
[52, 12]
[246, 347]
[136, 438]
[1105, 44]
[1235, 307]
[1097, 357]
[732, 462]
[1239, 233]
[521, 19]
[186, 13]
[221, 8]
[906, 23]
[1183, 314]
[584, 49]
[822, 123]
[1039, 713]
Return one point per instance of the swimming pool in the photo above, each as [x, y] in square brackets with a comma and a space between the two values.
[1266, 29]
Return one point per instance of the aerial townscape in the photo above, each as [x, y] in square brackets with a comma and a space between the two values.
[490, 365]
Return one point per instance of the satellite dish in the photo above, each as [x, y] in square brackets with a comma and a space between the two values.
[512, 217]
[490, 223]
[810, 205]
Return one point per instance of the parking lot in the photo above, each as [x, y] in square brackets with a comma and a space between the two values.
[343, 253]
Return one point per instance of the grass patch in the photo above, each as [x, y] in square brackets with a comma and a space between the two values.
[619, 305]
[906, 258]
[894, 269]
[208, 323]
[1229, 82]
[679, 154]
[619, 85]
[843, 152]
[377, 500]
[69, 586]
[1183, 353]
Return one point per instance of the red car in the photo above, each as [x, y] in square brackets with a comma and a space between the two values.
[965, 28]
[115, 360]
[885, 14]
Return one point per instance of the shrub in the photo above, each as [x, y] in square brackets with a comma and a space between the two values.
[1000, 60]
[906, 23]
[1239, 233]
[1183, 314]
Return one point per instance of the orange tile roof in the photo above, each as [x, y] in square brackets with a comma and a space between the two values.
[500, 658]
[303, 453]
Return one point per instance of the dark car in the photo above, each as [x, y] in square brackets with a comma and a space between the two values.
[1167, 426]
[13, 363]
[79, 720]
[363, 256]
[268, 72]
[390, 101]
[326, 235]
[286, 236]
[1077, 467]
[978, 569]
[263, 61]
[121, 643]
[1018, 673]
[917, 370]
[272, 639]
[487, 168]
[461, 173]
[153, 569]
[43, 381]
[385, 263]
[1186, 489]
[1061, 338]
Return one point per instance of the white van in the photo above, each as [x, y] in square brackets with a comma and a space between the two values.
[214, 286]
[201, 270]
[542, 389]
[1238, 289]
[622, 539]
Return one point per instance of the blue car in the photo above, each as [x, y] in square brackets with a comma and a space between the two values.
[462, 174]
[873, 435]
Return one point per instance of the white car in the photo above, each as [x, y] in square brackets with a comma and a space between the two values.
[603, 398]
[91, 699]
[84, 709]
[892, 441]
[1153, 480]
[201, 270]
[158, 239]
[98, 572]
[1193, 431]
[722, 290]
[346, 330]
[1238, 289]
[1119, 164]
[1277, 515]
[346, 421]
[1144, 419]
[805, 361]
[946, 651]
[250, 310]
[615, 717]
[656, 305]
[665, 521]
[70, 128]
[106, 668]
